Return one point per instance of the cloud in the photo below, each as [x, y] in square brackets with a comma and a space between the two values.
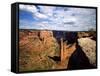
[46, 10]
[33, 10]
[39, 15]
[61, 18]
[29, 8]
[70, 23]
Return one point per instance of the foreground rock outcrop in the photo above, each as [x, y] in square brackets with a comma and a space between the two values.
[89, 47]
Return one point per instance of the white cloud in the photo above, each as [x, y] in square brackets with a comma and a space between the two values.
[56, 18]
[39, 15]
[47, 10]
[33, 10]
[29, 8]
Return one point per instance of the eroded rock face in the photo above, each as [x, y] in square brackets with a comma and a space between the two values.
[49, 42]
[35, 47]
[89, 47]
[91, 34]
[46, 34]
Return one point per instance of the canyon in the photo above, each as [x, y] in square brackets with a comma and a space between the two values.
[50, 50]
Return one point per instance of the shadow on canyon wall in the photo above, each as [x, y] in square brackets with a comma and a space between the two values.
[79, 60]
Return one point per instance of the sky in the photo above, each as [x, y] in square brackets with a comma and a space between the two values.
[56, 18]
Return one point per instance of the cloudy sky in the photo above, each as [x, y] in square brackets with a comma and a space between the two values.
[56, 18]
